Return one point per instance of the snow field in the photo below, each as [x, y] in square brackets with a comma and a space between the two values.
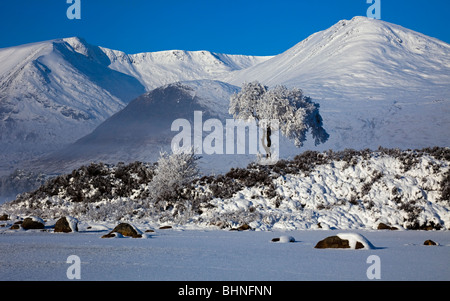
[198, 255]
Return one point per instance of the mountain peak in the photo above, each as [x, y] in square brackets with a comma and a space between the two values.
[356, 57]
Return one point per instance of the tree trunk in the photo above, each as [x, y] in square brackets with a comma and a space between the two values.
[266, 141]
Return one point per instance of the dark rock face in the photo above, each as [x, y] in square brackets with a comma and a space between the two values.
[429, 242]
[29, 223]
[334, 242]
[382, 226]
[124, 229]
[165, 227]
[62, 225]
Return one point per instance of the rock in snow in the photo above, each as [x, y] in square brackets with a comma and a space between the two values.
[345, 241]
[284, 239]
[429, 242]
[66, 224]
[33, 222]
[124, 229]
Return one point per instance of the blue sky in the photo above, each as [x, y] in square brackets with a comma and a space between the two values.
[253, 27]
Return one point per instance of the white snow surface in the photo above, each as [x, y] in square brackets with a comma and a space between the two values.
[377, 84]
[72, 223]
[286, 239]
[354, 238]
[214, 255]
[359, 59]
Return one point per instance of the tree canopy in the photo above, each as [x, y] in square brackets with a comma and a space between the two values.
[296, 113]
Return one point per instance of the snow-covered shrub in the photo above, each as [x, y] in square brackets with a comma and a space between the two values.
[96, 182]
[172, 174]
[348, 189]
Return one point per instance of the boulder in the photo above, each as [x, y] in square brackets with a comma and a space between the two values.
[382, 226]
[66, 224]
[429, 242]
[125, 230]
[244, 227]
[4, 217]
[165, 227]
[15, 227]
[345, 241]
[333, 242]
[33, 222]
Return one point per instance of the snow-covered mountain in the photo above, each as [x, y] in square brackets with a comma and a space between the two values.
[55, 92]
[377, 83]
[155, 69]
[143, 128]
[361, 58]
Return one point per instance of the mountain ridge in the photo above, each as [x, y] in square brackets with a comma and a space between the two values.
[360, 46]
[378, 84]
[55, 92]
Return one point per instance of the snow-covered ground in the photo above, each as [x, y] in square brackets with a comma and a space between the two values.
[219, 255]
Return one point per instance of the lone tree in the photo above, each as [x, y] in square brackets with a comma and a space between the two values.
[171, 174]
[296, 113]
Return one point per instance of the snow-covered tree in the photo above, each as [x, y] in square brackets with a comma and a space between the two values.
[296, 113]
[171, 174]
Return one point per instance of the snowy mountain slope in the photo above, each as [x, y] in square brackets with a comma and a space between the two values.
[377, 83]
[55, 92]
[359, 59]
[155, 69]
[356, 70]
[51, 95]
[143, 128]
